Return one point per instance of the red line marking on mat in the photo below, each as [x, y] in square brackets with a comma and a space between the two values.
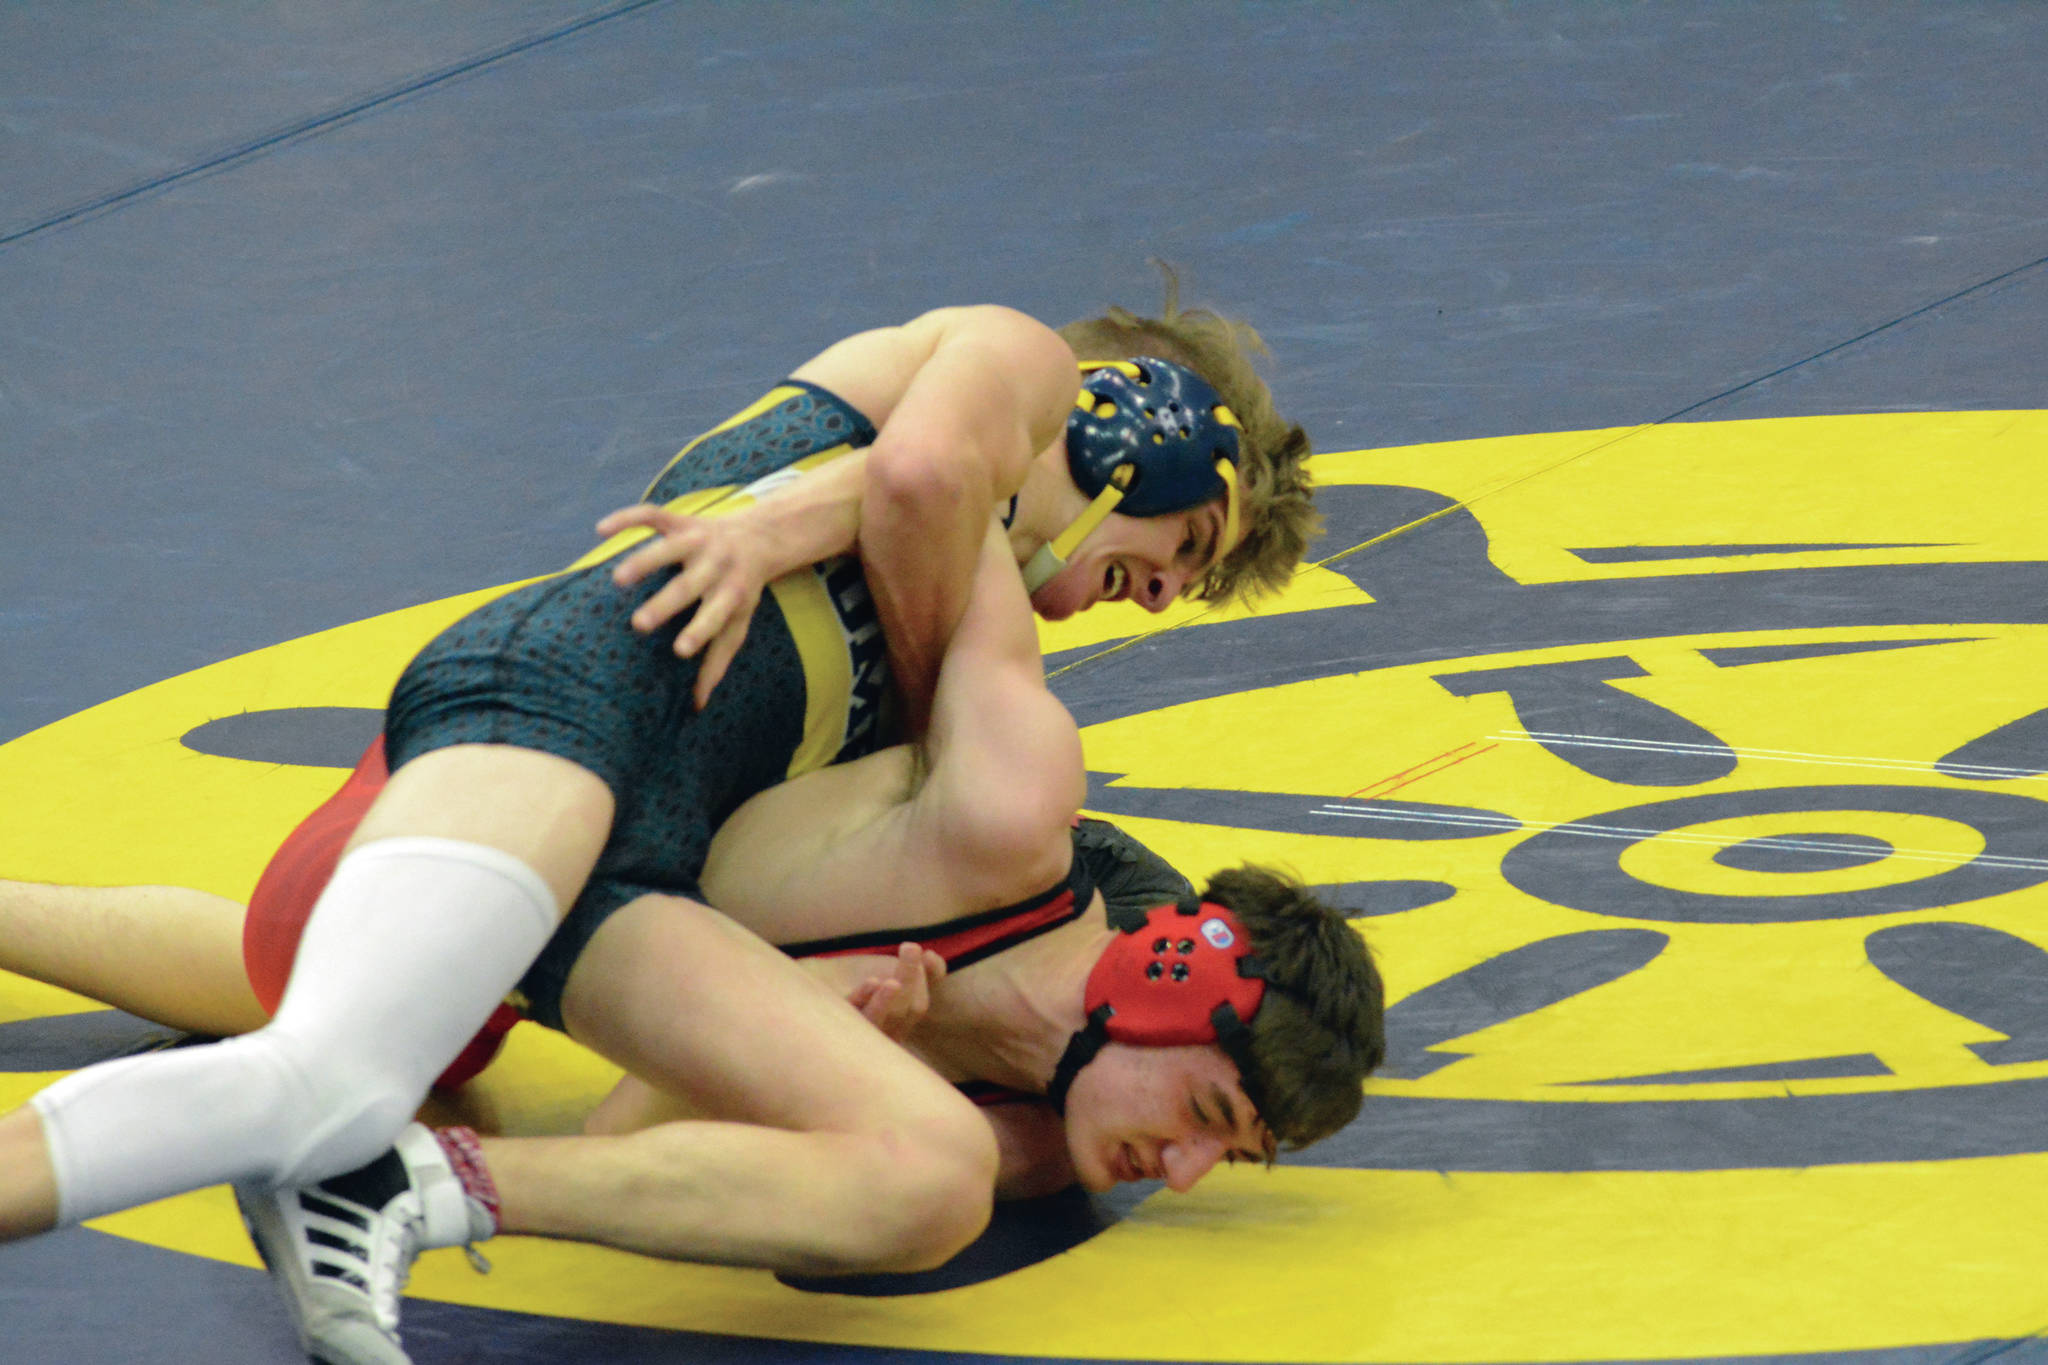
[1437, 761]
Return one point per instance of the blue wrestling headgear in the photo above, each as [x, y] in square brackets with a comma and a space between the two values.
[1146, 437]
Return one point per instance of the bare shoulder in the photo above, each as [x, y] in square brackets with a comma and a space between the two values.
[872, 370]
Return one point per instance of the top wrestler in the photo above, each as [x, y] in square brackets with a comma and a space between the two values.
[544, 761]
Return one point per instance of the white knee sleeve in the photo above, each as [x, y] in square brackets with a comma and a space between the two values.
[411, 946]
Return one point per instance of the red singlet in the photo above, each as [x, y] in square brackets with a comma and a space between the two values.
[298, 873]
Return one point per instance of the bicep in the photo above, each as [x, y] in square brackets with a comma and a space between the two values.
[984, 379]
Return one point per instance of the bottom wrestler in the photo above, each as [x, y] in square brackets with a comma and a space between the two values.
[1163, 1094]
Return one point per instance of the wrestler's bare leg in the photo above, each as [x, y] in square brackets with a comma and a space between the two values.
[28, 1184]
[173, 955]
[147, 1141]
[167, 953]
[872, 844]
[835, 1150]
[551, 814]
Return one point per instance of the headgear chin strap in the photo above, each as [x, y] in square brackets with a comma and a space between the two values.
[1183, 974]
[1146, 437]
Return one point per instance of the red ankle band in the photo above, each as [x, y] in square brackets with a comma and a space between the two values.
[466, 1157]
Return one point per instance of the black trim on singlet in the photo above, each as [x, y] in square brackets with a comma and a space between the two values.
[865, 430]
[987, 1094]
[732, 456]
[1077, 882]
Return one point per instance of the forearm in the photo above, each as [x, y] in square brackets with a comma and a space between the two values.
[963, 400]
[956, 446]
[918, 543]
[812, 518]
[996, 727]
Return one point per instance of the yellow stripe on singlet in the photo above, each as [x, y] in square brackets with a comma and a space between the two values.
[806, 606]
[821, 645]
[828, 669]
[746, 414]
[703, 502]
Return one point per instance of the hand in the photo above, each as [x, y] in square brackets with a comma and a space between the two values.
[897, 999]
[722, 569]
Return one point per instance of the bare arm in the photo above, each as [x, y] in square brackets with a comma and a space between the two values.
[992, 388]
[860, 846]
[963, 399]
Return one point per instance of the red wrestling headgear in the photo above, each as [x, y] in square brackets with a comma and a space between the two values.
[1184, 974]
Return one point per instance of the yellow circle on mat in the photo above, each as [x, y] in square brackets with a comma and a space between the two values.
[1691, 859]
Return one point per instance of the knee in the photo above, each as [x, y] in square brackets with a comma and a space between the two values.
[935, 1190]
[345, 1110]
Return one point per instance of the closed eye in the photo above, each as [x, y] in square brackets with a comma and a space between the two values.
[1226, 1124]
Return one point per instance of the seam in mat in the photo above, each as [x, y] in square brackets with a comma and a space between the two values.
[315, 123]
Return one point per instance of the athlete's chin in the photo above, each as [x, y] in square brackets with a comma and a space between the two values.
[1052, 604]
[1091, 1171]
[1096, 1181]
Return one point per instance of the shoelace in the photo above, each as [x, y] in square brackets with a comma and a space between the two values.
[389, 1274]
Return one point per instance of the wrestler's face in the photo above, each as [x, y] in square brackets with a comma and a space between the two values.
[1147, 560]
[1160, 1113]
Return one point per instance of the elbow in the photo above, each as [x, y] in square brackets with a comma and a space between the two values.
[1012, 849]
[1019, 841]
[919, 482]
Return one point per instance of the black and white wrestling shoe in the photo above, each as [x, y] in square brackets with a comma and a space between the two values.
[341, 1251]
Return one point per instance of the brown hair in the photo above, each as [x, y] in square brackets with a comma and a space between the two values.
[1279, 516]
[1320, 1030]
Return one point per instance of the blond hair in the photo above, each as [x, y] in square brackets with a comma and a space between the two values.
[1279, 513]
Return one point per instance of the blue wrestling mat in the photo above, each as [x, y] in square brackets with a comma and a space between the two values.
[1665, 693]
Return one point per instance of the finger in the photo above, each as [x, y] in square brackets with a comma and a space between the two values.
[881, 1007]
[910, 970]
[934, 967]
[714, 609]
[675, 541]
[625, 518]
[687, 589]
[859, 996]
[673, 598]
[718, 656]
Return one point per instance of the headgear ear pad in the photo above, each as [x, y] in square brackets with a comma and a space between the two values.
[1146, 437]
[1183, 975]
[1164, 978]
